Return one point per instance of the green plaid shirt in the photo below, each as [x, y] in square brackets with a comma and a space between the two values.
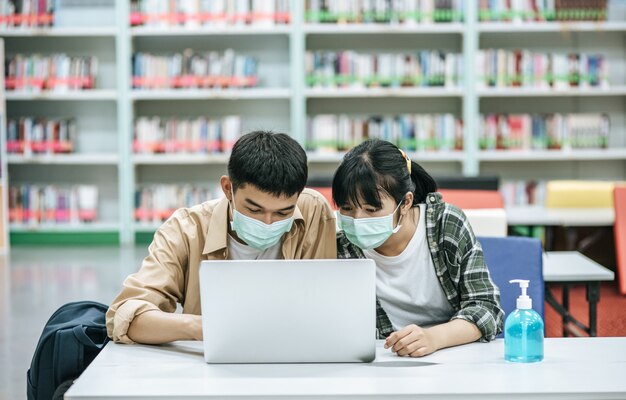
[459, 265]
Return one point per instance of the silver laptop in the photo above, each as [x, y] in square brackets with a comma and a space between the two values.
[288, 311]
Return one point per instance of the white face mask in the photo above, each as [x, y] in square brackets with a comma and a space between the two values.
[369, 233]
[257, 234]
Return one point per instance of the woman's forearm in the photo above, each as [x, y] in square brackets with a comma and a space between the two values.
[454, 333]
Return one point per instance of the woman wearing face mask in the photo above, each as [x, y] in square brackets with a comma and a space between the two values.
[433, 287]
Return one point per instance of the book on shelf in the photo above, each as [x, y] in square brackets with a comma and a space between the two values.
[156, 203]
[26, 13]
[542, 10]
[213, 13]
[327, 133]
[409, 12]
[31, 135]
[427, 68]
[523, 193]
[33, 205]
[543, 131]
[191, 69]
[529, 69]
[55, 72]
[200, 135]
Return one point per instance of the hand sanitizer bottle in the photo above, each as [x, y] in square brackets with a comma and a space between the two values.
[523, 330]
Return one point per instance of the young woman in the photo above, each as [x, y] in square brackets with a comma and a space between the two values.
[432, 285]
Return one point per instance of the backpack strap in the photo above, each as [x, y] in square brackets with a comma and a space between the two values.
[81, 335]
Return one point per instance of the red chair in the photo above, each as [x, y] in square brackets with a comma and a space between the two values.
[620, 236]
[473, 199]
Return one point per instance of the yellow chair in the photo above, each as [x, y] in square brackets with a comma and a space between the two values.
[579, 194]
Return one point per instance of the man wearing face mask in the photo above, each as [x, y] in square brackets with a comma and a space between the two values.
[266, 214]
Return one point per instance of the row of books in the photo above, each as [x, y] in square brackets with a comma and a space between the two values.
[542, 10]
[191, 69]
[34, 204]
[195, 13]
[55, 72]
[543, 131]
[384, 11]
[26, 13]
[418, 132]
[156, 203]
[354, 69]
[32, 135]
[523, 193]
[525, 68]
[186, 135]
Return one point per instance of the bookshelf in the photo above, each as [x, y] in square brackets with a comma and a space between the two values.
[283, 101]
[4, 223]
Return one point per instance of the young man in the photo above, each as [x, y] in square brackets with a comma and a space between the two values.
[266, 214]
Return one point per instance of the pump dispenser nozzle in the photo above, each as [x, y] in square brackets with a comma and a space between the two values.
[523, 302]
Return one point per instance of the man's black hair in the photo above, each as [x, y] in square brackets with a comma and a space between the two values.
[272, 162]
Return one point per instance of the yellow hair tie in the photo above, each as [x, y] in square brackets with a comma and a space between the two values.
[408, 160]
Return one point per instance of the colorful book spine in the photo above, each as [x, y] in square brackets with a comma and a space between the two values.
[216, 13]
[194, 70]
[31, 135]
[357, 70]
[34, 205]
[542, 10]
[156, 203]
[523, 193]
[328, 133]
[56, 73]
[26, 13]
[408, 12]
[543, 131]
[154, 135]
[524, 68]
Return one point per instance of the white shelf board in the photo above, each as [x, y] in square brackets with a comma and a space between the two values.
[207, 94]
[534, 92]
[322, 93]
[179, 159]
[150, 31]
[77, 95]
[432, 156]
[552, 155]
[550, 27]
[351, 29]
[86, 228]
[59, 32]
[65, 159]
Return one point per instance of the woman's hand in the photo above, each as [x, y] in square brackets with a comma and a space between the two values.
[412, 341]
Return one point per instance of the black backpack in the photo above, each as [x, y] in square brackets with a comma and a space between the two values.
[71, 339]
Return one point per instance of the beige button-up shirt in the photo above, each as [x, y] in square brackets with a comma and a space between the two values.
[170, 273]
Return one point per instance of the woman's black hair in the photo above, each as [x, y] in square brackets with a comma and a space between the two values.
[376, 165]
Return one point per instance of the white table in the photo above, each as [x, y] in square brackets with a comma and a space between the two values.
[573, 368]
[567, 267]
[571, 266]
[570, 218]
[574, 217]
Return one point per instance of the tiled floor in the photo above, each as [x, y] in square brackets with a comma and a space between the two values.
[34, 282]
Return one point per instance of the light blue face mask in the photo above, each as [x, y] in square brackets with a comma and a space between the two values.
[257, 234]
[368, 233]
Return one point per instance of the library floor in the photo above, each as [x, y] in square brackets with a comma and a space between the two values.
[34, 282]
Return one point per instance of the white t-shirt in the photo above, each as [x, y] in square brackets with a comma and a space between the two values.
[240, 251]
[407, 285]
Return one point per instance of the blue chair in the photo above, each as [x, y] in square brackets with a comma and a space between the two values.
[515, 258]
